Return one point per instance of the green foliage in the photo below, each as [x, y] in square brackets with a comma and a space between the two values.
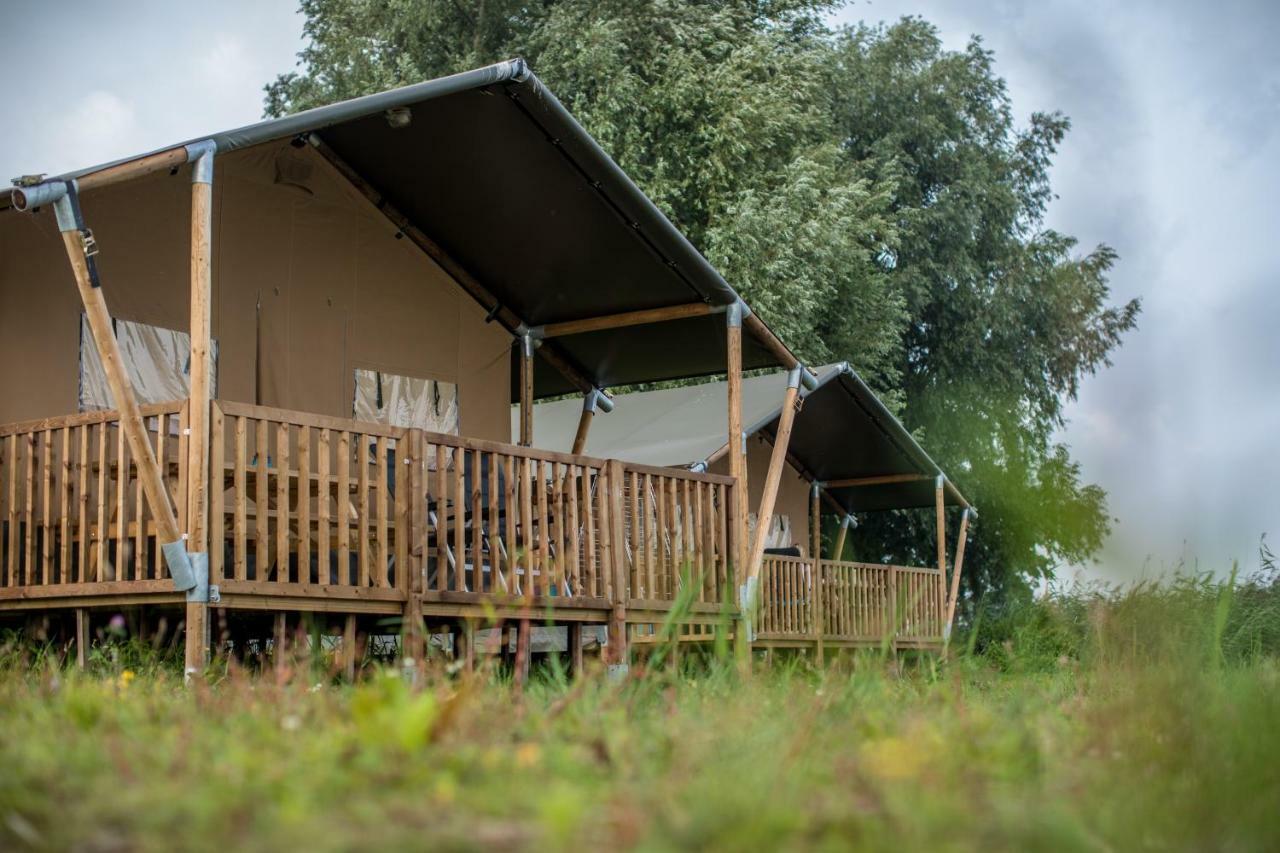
[1128, 719]
[1191, 619]
[868, 191]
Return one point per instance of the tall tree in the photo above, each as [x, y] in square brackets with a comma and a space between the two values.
[1005, 318]
[868, 192]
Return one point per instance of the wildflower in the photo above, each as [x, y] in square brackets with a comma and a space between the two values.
[125, 679]
[527, 755]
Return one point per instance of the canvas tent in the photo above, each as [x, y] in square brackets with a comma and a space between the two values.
[515, 200]
[842, 434]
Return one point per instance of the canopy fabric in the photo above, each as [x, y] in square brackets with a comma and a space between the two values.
[493, 169]
[842, 432]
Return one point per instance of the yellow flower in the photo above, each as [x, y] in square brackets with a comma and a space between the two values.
[527, 754]
[125, 678]
[896, 758]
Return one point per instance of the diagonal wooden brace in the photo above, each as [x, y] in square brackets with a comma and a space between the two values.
[131, 423]
[955, 573]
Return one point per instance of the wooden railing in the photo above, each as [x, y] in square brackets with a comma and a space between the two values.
[858, 602]
[677, 530]
[306, 503]
[72, 505]
[786, 598]
[309, 501]
[512, 521]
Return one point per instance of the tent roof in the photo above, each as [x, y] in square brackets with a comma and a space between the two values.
[493, 169]
[842, 432]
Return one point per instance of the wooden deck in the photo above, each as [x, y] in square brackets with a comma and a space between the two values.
[312, 513]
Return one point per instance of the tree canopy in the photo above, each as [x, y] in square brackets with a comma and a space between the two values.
[867, 191]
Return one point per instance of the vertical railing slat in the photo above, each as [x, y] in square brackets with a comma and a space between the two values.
[304, 504]
[217, 493]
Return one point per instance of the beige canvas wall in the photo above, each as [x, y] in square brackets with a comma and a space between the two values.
[309, 284]
[793, 489]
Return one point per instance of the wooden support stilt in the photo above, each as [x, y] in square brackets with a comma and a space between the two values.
[82, 637]
[413, 648]
[350, 654]
[575, 649]
[198, 411]
[523, 653]
[280, 641]
[961, 539]
[466, 645]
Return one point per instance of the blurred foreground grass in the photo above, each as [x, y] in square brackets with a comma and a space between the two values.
[1089, 720]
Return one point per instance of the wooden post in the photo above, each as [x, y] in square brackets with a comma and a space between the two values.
[618, 654]
[197, 497]
[413, 649]
[349, 655]
[737, 470]
[279, 641]
[737, 453]
[82, 637]
[769, 495]
[526, 391]
[524, 640]
[466, 645]
[838, 552]
[815, 549]
[940, 499]
[955, 575]
[575, 649]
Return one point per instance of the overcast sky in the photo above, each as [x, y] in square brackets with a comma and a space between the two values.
[1173, 159]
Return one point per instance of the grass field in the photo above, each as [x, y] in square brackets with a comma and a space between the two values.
[1147, 719]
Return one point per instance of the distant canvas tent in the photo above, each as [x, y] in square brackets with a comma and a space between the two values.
[843, 438]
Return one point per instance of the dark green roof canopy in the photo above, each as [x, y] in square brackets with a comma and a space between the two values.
[495, 170]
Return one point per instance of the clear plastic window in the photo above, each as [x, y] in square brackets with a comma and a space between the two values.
[406, 401]
[157, 361]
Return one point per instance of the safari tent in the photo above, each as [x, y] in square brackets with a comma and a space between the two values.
[268, 372]
[846, 455]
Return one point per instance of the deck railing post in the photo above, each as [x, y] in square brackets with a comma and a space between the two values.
[940, 499]
[618, 658]
[413, 639]
[736, 441]
[815, 522]
[893, 608]
[200, 395]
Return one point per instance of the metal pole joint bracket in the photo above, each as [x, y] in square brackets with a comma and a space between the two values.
[200, 154]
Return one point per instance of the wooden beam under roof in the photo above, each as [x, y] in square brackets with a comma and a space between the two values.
[627, 318]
